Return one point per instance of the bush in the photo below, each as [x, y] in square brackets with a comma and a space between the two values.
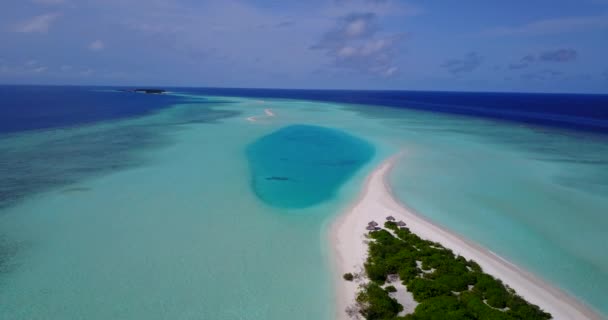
[442, 307]
[408, 273]
[348, 276]
[376, 272]
[375, 303]
[434, 290]
[390, 289]
[423, 289]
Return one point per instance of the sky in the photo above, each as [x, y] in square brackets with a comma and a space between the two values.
[468, 45]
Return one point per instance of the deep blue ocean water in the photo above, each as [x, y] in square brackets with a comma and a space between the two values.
[301, 165]
[37, 107]
[575, 111]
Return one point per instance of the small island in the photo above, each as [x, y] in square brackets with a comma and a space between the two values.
[145, 90]
[410, 268]
[439, 284]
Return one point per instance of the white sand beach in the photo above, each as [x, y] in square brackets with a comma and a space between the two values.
[376, 202]
[267, 114]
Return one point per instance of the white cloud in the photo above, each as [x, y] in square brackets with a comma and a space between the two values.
[467, 64]
[40, 69]
[356, 28]
[356, 43]
[552, 26]
[347, 52]
[49, 2]
[39, 24]
[87, 72]
[378, 7]
[97, 45]
[390, 71]
[374, 46]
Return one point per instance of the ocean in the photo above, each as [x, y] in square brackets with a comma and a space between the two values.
[125, 205]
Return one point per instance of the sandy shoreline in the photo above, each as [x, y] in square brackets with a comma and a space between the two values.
[376, 201]
[267, 114]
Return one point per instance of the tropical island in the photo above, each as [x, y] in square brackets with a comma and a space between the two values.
[411, 268]
[443, 286]
[145, 90]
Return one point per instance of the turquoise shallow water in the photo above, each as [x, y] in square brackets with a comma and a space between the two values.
[536, 196]
[172, 227]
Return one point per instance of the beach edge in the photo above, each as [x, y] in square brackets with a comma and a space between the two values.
[375, 201]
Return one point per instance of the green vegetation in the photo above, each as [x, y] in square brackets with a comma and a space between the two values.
[390, 289]
[348, 276]
[379, 305]
[445, 286]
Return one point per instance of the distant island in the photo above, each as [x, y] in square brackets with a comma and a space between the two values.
[145, 90]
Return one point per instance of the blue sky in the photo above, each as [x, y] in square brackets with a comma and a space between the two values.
[533, 45]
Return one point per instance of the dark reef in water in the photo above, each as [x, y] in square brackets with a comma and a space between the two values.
[49, 160]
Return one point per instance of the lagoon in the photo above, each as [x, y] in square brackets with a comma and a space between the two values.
[302, 165]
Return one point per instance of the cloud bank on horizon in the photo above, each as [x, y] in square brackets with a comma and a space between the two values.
[549, 46]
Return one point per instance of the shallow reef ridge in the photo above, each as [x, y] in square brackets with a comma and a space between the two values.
[301, 165]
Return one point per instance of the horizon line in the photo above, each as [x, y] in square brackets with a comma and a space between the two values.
[300, 89]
